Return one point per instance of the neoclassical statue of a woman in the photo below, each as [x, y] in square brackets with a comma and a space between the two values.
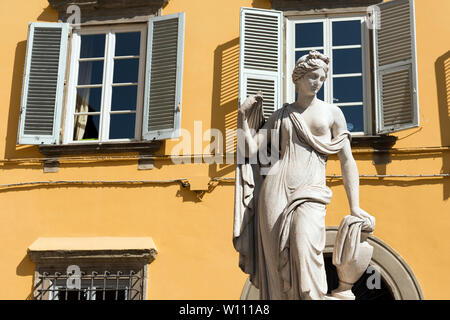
[279, 222]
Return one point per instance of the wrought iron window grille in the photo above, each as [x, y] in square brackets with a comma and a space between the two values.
[107, 285]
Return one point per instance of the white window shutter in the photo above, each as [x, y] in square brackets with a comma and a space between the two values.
[163, 78]
[43, 83]
[396, 86]
[260, 56]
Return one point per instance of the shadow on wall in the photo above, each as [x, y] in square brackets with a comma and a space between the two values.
[11, 150]
[25, 269]
[263, 4]
[442, 69]
[225, 102]
[48, 15]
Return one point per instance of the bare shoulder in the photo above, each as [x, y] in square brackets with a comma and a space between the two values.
[334, 112]
[337, 114]
[339, 124]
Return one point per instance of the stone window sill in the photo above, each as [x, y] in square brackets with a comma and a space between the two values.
[381, 145]
[380, 142]
[145, 150]
[147, 147]
[51, 249]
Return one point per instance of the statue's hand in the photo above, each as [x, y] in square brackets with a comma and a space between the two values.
[369, 224]
[250, 102]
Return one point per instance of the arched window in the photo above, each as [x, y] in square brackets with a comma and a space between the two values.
[397, 281]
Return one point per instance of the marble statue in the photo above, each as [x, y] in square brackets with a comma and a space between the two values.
[279, 218]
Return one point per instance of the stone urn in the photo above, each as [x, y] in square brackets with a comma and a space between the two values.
[350, 271]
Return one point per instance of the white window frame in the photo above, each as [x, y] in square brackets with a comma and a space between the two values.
[108, 71]
[327, 20]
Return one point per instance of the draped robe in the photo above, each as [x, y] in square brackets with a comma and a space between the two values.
[279, 219]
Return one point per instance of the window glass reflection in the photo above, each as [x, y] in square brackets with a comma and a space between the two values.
[126, 70]
[92, 46]
[347, 61]
[346, 32]
[90, 72]
[124, 98]
[122, 126]
[88, 100]
[309, 34]
[128, 44]
[354, 117]
[347, 89]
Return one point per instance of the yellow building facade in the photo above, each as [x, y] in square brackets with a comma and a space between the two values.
[187, 208]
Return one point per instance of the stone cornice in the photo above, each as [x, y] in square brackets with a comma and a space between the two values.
[106, 4]
[109, 11]
[319, 4]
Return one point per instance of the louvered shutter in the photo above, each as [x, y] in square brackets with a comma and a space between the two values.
[396, 68]
[43, 83]
[260, 56]
[164, 75]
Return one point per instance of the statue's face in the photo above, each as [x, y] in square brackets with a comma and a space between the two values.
[311, 82]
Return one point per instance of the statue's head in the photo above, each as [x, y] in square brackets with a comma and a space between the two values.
[310, 71]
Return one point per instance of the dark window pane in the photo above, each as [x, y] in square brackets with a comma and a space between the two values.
[347, 61]
[128, 44]
[86, 127]
[110, 295]
[348, 89]
[354, 116]
[126, 70]
[92, 46]
[301, 53]
[122, 126]
[124, 98]
[320, 94]
[71, 295]
[88, 100]
[309, 34]
[346, 33]
[90, 72]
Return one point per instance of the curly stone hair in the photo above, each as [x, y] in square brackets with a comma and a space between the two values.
[309, 62]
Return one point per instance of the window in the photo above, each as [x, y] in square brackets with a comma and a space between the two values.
[100, 268]
[106, 84]
[343, 40]
[372, 74]
[123, 82]
[95, 284]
